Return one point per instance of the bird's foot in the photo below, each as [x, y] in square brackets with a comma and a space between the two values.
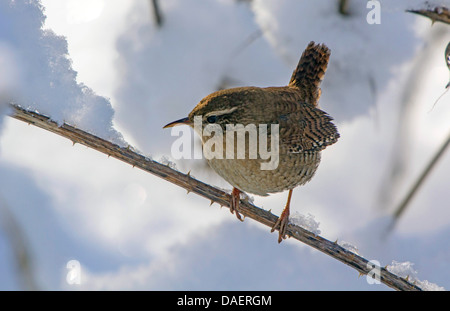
[234, 204]
[282, 221]
[281, 225]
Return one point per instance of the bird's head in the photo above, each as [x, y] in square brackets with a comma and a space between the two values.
[222, 107]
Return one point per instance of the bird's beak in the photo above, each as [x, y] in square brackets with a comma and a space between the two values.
[184, 121]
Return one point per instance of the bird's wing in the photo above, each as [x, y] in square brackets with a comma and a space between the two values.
[306, 129]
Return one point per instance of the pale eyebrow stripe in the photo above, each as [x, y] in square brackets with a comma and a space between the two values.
[221, 112]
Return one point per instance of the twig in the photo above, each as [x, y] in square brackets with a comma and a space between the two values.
[447, 55]
[157, 13]
[399, 163]
[19, 246]
[213, 194]
[398, 212]
[437, 14]
[247, 42]
[343, 8]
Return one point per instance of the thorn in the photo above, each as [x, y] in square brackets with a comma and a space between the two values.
[336, 242]
[73, 143]
[189, 173]
[189, 191]
[212, 202]
[360, 274]
[407, 278]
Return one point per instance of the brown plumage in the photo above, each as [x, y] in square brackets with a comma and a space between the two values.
[310, 72]
[304, 130]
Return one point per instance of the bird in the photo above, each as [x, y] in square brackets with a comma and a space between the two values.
[298, 129]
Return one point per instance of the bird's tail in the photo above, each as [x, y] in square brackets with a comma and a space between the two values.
[310, 71]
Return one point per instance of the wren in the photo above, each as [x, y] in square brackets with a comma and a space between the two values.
[304, 131]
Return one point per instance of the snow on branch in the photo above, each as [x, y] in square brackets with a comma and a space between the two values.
[215, 195]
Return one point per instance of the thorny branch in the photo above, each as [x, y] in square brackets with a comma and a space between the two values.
[127, 155]
[436, 14]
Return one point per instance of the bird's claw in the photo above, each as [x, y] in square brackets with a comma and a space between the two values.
[234, 206]
[281, 224]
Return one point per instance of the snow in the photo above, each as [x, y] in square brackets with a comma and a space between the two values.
[165, 160]
[349, 246]
[108, 70]
[406, 270]
[39, 74]
[246, 197]
[306, 222]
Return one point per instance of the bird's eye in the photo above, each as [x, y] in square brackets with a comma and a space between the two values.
[211, 119]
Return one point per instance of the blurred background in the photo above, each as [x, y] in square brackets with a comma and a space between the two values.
[72, 218]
